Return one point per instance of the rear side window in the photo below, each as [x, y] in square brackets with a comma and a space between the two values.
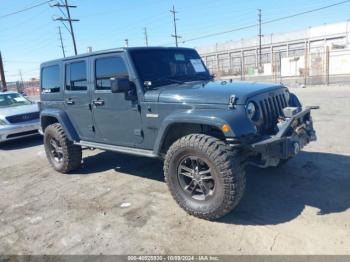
[107, 68]
[76, 76]
[50, 79]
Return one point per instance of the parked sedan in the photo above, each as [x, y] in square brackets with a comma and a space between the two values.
[19, 117]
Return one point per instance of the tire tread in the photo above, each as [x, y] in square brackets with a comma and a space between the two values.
[73, 153]
[227, 161]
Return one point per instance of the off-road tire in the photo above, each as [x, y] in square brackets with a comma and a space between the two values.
[228, 170]
[72, 154]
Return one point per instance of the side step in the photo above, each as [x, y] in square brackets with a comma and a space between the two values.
[120, 149]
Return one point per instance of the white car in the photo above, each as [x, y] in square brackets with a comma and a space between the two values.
[19, 117]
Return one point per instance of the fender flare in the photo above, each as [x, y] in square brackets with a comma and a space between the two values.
[64, 121]
[203, 117]
[294, 101]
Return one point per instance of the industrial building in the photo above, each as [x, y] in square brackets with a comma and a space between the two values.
[316, 55]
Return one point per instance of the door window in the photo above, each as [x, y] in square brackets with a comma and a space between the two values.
[50, 79]
[107, 68]
[76, 76]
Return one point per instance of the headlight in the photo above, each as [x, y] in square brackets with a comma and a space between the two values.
[2, 122]
[252, 111]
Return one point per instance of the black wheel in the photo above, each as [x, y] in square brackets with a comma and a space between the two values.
[204, 175]
[62, 154]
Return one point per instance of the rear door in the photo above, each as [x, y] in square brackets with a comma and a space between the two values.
[116, 115]
[77, 98]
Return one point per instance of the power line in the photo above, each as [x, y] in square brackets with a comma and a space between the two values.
[21, 61]
[267, 22]
[175, 35]
[31, 18]
[67, 18]
[25, 9]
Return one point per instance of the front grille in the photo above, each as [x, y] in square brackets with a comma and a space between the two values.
[23, 117]
[271, 108]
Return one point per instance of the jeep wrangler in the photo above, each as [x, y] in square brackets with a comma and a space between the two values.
[163, 103]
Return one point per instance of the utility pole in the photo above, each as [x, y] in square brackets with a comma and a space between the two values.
[146, 36]
[62, 46]
[20, 87]
[260, 36]
[175, 35]
[20, 75]
[2, 75]
[69, 19]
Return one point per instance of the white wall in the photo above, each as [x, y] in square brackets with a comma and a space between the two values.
[339, 63]
[308, 33]
[291, 66]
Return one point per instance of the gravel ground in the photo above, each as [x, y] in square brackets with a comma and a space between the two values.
[119, 204]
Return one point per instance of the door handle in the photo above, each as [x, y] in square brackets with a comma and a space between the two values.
[70, 101]
[98, 102]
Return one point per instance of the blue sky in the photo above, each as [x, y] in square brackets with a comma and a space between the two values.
[31, 37]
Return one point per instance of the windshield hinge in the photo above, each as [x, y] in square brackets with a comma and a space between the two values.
[92, 128]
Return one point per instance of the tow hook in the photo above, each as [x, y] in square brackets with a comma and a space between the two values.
[296, 147]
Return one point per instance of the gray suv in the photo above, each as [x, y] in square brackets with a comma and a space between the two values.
[163, 103]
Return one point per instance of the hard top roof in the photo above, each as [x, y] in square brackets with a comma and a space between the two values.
[113, 50]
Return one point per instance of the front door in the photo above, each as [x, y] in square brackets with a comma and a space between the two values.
[77, 98]
[116, 115]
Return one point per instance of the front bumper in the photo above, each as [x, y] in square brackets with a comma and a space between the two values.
[294, 133]
[15, 131]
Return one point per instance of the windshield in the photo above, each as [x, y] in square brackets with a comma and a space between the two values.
[158, 67]
[13, 99]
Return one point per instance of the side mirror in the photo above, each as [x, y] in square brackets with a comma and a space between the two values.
[120, 85]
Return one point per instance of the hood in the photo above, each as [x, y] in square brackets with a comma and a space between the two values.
[213, 92]
[18, 110]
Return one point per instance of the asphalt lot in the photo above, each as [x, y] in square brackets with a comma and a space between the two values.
[119, 204]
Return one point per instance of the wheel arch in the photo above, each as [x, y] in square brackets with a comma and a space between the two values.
[48, 117]
[181, 124]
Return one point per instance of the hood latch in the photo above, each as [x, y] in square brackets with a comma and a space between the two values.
[232, 102]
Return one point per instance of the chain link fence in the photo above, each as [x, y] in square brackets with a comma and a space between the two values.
[297, 66]
[30, 88]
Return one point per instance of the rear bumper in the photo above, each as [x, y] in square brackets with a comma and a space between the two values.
[294, 133]
[15, 131]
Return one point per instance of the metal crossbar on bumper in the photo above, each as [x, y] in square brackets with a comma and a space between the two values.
[284, 146]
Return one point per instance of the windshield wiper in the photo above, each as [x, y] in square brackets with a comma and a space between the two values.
[161, 81]
[197, 78]
[207, 78]
[166, 79]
